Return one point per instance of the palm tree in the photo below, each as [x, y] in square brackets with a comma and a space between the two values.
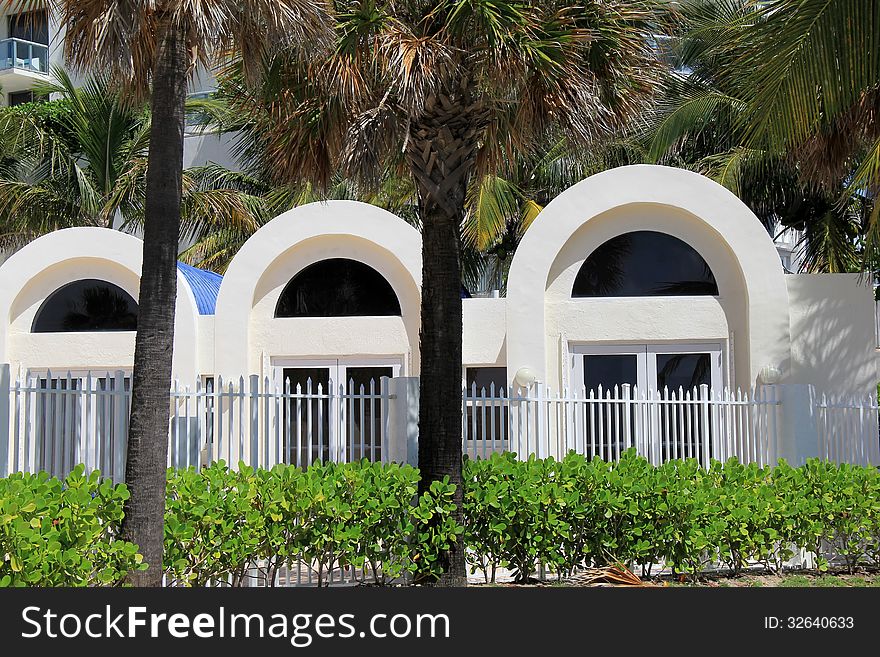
[150, 48]
[81, 160]
[446, 91]
[739, 113]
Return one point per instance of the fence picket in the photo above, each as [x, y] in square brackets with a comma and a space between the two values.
[58, 420]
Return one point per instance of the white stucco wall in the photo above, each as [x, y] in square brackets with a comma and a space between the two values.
[30, 275]
[249, 335]
[753, 301]
[832, 333]
[485, 332]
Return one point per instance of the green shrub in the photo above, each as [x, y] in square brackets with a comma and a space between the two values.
[843, 517]
[517, 513]
[213, 527]
[222, 525]
[575, 512]
[63, 533]
[226, 526]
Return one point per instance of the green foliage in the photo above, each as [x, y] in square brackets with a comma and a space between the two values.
[212, 524]
[63, 533]
[221, 524]
[575, 512]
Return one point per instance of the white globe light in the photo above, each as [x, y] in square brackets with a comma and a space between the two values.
[525, 376]
[770, 375]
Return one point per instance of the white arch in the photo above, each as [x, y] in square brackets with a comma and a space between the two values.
[728, 228]
[57, 258]
[296, 239]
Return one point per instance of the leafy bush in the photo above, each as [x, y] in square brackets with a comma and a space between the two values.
[221, 525]
[213, 528]
[843, 517]
[226, 526]
[575, 512]
[63, 533]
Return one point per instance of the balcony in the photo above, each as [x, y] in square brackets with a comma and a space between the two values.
[21, 63]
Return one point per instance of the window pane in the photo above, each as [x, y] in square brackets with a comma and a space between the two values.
[686, 371]
[493, 415]
[682, 423]
[644, 263]
[338, 287]
[31, 26]
[364, 437]
[87, 305]
[310, 418]
[484, 377]
[610, 370]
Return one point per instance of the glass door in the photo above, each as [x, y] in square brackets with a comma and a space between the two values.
[307, 431]
[363, 416]
[684, 376]
[339, 411]
[669, 381]
[600, 374]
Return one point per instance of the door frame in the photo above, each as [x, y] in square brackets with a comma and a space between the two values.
[336, 365]
[714, 349]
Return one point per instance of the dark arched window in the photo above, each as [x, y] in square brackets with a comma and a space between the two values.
[337, 287]
[644, 263]
[87, 305]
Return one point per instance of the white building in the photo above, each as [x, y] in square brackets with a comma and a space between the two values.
[618, 274]
[642, 277]
[31, 46]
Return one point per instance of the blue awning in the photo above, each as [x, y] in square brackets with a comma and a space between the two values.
[205, 286]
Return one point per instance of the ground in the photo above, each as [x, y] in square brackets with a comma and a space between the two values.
[791, 580]
[811, 579]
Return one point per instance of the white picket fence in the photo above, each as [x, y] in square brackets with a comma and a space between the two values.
[661, 425]
[847, 430]
[56, 421]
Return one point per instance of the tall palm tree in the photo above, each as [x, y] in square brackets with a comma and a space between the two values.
[748, 110]
[811, 81]
[151, 48]
[447, 90]
[81, 160]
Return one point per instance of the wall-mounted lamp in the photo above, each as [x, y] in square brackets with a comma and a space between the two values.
[524, 377]
[769, 375]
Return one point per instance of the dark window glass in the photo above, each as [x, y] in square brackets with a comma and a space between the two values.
[604, 422]
[479, 414]
[682, 375]
[60, 415]
[644, 264]
[87, 305]
[32, 26]
[685, 371]
[20, 98]
[609, 371]
[337, 287]
[484, 377]
[363, 426]
[313, 432]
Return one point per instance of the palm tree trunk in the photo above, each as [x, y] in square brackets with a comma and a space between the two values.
[440, 154]
[148, 429]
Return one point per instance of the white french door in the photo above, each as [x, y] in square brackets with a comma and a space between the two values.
[335, 410]
[654, 367]
[667, 417]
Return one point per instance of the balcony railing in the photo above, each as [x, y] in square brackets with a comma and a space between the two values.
[24, 55]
